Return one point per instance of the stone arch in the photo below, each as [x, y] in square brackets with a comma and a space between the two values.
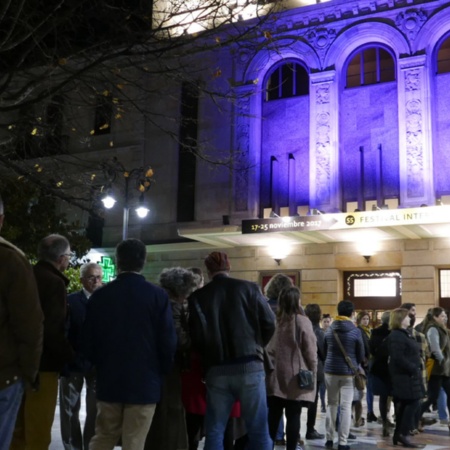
[432, 32]
[362, 34]
[265, 59]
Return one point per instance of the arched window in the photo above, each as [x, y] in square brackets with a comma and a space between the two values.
[287, 80]
[443, 57]
[370, 66]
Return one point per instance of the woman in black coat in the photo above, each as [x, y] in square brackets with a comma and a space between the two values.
[379, 368]
[406, 375]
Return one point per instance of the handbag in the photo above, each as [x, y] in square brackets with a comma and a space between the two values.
[429, 364]
[305, 377]
[358, 373]
[305, 380]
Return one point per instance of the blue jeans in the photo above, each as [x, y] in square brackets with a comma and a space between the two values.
[221, 392]
[10, 399]
[442, 405]
[369, 395]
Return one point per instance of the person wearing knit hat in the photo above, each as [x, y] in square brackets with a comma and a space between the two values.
[217, 262]
[230, 323]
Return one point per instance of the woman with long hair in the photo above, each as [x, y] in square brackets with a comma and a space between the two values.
[293, 347]
[435, 329]
[406, 376]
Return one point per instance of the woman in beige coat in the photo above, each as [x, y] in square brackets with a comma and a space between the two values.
[293, 347]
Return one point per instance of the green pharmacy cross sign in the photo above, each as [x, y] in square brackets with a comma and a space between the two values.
[109, 269]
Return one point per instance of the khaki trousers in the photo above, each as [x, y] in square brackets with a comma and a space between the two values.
[33, 430]
[115, 420]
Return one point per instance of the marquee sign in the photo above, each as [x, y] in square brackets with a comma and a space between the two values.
[363, 219]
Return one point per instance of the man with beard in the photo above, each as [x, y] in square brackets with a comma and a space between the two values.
[424, 351]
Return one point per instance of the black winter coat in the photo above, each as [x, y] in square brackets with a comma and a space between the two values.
[378, 345]
[405, 366]
[230, 320]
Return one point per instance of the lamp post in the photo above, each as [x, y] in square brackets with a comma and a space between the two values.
[143, 178]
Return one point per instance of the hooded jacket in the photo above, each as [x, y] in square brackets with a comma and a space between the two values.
[352, 342]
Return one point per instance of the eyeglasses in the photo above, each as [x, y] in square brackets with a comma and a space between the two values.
[69, 255]
[94, 278]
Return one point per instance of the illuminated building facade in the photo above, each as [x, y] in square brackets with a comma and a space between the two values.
[344, 106]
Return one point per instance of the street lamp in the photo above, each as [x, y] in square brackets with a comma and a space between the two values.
[143, 179]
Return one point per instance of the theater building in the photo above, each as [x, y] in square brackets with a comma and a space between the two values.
[341, 120]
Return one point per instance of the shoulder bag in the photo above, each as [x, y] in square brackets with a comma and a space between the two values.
[305, 378]
[358, 373]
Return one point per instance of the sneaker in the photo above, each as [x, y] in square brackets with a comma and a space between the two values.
[371, 417]
[329, 444]
[314, 435]
[351, 436]
[428, 421]
[324, 410]
[443, 421]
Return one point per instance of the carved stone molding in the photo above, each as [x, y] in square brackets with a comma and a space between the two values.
[411, 21]
[321, 39]
[241, 157]
[323, 157]
[414, 135]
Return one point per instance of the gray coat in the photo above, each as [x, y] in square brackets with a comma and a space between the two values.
[289, 357]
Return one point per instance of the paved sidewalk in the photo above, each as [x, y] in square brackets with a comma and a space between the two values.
[435, 437]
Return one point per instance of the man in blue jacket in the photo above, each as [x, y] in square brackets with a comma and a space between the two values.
[339, 376]
[80, 371]
[231, 321]
[130, 337]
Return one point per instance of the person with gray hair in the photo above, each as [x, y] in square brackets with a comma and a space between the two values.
[21, 331]
[80, 372]
[379, 369]
[35, 419]
[168, 430]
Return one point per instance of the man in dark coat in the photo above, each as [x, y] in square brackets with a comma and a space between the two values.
[35, 418]
[231, 322]
[80, 371]
[21, 332]
[129, 335]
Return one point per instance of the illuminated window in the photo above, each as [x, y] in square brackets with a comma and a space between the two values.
[370, 66]
[288, 80]
[443, 57]
[373, 290]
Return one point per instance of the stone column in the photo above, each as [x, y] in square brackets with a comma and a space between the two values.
[247, 151]
[325, 192]
[415, 153]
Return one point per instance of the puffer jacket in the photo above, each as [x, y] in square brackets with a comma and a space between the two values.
[440, 367]
[350, 336]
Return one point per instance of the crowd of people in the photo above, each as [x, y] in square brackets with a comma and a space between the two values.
[164, 365]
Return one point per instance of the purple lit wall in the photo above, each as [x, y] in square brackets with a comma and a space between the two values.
[285, 129]
[441, 144]
[369, 118]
